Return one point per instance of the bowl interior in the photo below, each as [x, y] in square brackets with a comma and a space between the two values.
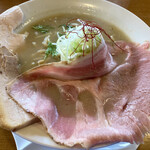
[33, 10]
[134, 27]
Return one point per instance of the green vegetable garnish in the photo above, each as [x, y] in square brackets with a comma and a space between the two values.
[61, 34]
[51, 50]
[42, 28]
[66, 26]
[78, 41]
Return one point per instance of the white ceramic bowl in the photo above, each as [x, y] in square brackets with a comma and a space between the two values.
[33, 10]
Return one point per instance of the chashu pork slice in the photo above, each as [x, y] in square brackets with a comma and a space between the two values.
[12, 116]
[9, 21]
[113, 108]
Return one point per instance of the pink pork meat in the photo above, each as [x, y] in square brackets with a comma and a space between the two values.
[112, 108]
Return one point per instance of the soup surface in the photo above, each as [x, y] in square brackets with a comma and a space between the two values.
[32, 53]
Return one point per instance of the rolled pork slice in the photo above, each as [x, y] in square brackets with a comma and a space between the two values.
[95, 64]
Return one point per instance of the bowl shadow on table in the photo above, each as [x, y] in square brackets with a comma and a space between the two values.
[146, 144]
[5, 138]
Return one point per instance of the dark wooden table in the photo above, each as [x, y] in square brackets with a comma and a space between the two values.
[139, 7]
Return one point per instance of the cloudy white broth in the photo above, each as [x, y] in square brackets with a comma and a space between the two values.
[45, 31]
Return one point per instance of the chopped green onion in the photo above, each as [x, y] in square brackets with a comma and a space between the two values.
[51, 50]
[61, 34]
[42, 28]
[66, 26]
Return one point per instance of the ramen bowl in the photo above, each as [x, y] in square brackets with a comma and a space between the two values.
[131, 25]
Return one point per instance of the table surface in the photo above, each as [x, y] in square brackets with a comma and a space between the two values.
[139, 7]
